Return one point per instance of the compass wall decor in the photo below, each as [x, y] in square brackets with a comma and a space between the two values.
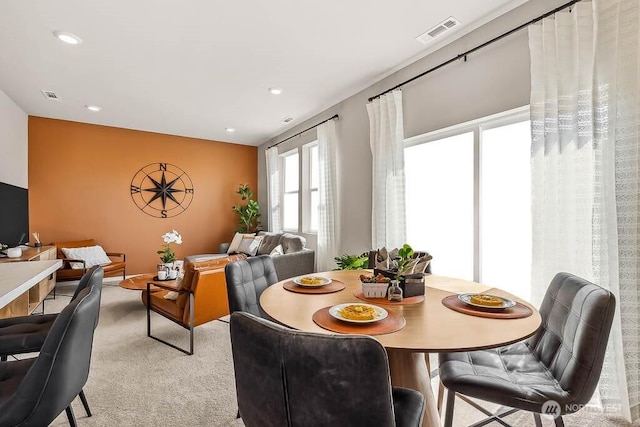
[162, 190]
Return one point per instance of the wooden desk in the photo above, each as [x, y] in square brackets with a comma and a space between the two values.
[20, 291]
[430, 327]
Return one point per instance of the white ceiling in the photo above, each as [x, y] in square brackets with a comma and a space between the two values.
[193, 68]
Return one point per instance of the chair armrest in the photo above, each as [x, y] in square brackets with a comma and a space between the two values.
[68, 262]
[175, 286]
[118, 254]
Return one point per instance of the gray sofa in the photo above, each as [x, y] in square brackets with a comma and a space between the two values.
[297, 260]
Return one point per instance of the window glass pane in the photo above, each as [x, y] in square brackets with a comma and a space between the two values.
[290, 211]
[291, 176]
[439, 200]
[313, 163]
[505, 208]
[314, 210]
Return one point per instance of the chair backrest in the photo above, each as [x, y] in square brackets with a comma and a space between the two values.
[572, 339]
[61, 370]
[92, 277]
[286, 377]
[246, 280]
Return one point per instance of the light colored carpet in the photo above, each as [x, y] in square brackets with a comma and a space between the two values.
[137, 381]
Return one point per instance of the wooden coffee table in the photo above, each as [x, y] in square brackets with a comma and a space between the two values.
[139, 283]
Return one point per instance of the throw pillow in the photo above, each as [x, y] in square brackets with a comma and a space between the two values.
[91, 255]
[250, 244]
[234, 246]
[277, 251]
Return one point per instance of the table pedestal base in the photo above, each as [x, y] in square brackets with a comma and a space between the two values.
[409, 369]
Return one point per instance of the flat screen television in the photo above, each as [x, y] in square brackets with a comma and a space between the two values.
[14, 214]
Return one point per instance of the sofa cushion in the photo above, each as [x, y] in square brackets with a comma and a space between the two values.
[250, 244]
[269, 242]
[292, 243]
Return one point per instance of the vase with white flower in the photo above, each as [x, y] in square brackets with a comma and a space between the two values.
[167, 254]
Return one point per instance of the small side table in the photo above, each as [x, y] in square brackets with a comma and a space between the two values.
[139, 283]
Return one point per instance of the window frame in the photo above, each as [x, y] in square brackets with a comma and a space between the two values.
[477, 127]
[304, 187]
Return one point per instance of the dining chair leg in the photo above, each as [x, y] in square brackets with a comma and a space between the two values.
[559, 422]
[448, 415]
[238, 414]
[71, 417]
[440, 396]
[3, 358]
[537, 420]
[83, 399]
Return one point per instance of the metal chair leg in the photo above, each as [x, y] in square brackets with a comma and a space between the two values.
[3, 358]
[83, 399]
[71, 417]
[537, 420]
[238, 414]
[448, 415]
[559, 422]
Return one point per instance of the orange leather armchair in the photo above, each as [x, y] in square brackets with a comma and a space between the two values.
[201, 297]
[117, 266]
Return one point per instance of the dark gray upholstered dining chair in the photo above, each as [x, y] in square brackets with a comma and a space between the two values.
[246, 280]
[290, 378]
[26, 334]
[561, 362]
[33, 392]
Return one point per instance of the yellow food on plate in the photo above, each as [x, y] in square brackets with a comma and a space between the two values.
[488, 300]
[310, 280]
[358, 312]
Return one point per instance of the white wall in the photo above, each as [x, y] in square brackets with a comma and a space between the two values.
[13, 143]
[493, 80]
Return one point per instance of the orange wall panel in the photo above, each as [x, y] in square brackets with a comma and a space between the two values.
[80, 179]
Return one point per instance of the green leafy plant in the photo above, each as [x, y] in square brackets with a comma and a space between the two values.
[405, 256]
[249, 212]
[352, 262]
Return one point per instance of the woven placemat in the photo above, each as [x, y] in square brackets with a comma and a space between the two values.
[519, 311]
[359, 293]
[392, 323]
[334, 286]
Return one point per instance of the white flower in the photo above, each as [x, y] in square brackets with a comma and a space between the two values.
[172, 237]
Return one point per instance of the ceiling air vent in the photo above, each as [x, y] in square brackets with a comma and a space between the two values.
[49, 94]
[438, 30]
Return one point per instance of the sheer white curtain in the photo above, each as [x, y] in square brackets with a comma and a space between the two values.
[585, 164]
[273, 188]
[328, 242]
[387, 139]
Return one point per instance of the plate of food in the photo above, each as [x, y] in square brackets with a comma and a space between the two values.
[358, 313]
[486, 301]
[311, 281]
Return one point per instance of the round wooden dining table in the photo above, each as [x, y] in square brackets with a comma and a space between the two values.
[430, 326]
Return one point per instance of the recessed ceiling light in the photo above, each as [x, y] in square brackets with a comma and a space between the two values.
[230, 129]
[287, 120]
[275, 91]
[93, 108]
[67, 37]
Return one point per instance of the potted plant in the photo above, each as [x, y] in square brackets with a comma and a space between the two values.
[249, 212]
[352, 262]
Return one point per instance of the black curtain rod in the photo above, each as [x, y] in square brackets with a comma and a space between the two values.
[485, 44]
[335, 116]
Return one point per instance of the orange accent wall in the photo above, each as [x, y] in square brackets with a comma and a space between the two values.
[79, 187]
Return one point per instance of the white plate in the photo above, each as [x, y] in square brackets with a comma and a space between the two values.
[325, 281]
[335, 312]
[507, 303]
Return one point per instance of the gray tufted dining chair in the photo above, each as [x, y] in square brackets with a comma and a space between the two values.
[560, 363]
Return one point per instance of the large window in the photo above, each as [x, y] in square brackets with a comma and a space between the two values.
[300, 198]
[468, 200]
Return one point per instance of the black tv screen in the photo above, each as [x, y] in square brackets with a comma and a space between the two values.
[14, 214]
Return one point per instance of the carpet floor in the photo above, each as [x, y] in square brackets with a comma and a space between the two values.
[137, 381]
